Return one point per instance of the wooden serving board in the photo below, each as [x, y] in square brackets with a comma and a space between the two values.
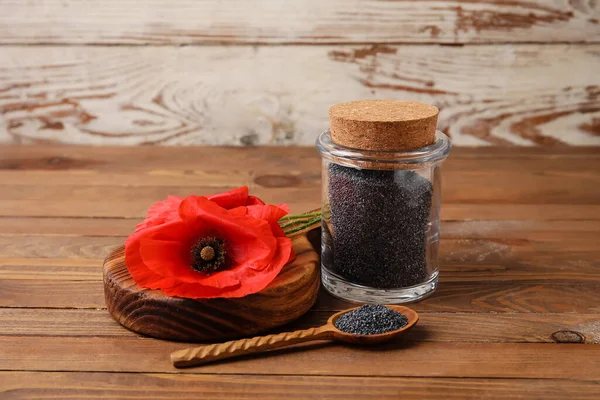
[152, 313]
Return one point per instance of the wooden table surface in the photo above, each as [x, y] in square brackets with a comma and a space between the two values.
[519, 260]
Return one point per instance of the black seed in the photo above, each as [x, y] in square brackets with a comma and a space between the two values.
[371, 320]
[379, 222]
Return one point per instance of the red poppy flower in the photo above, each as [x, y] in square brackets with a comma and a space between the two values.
[225, 245]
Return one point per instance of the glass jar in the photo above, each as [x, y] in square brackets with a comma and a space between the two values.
[381, 218]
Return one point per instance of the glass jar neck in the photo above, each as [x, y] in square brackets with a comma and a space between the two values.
[406, 159]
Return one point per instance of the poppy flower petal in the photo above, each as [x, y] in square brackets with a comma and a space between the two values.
[254, 201]
[231, 199]
[197, 291]
[161, 212]
[143, 276]
[255, 281]
[284, 207]
[167, 205]
[221, 279]
[169, 259]
[269, 213]
[158, 253]
[247, 238]
[239, 211]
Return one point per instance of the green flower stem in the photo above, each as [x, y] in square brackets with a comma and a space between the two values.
[296, 222]
[303, 226]
[301, 216]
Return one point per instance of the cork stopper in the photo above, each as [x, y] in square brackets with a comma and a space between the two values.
[383, 125]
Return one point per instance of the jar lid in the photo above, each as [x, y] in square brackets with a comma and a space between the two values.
[383, 125]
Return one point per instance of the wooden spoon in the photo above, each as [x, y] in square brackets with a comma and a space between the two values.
[235, 348]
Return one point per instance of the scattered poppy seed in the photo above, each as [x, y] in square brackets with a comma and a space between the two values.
[371, 320]
[379, 222]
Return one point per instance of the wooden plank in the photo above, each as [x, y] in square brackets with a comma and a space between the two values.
[460, 267]
[52, 385]
[212, 162]
[133, 202]
[550, 182]
[68, 226]
[498, 297]
[336, 21]
[483, 328]
[467, 297]
[570, 256]
[527, 95]
[51, 268]
[538, 212]
[281, 167]
[121, 227]
[53, 293]
[58, 269]
[34, 193]
[563, 257]
[58, 246]
[298, 204]
[402, 359]
[146, 158]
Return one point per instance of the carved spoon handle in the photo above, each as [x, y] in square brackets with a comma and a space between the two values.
[220, 351]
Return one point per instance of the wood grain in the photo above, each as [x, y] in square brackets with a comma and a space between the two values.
[334, 21]
[508, 254]
[528, 186]
[451, 229]
[463, 257]
[578, 190]
[469, 297]
[150, 312]
[211, 168]
[433, 327]
[187, 95]
[572, 183]
[425, 359]
[522, 272]
[54, 269]
[52, 385]
[214, 161]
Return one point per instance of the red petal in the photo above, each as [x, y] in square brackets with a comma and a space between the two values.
[196, 291]
[254, 281]
[160, 213]
[269, 213]
[157, 254]
[163, 254]
[254, 201]
[248, 239]
[233, 198]
[171, 203]
[169, 259]
[142, 275]
[239, 211]
[284, 207]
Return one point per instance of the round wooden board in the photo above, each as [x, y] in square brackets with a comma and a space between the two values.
[152, 313]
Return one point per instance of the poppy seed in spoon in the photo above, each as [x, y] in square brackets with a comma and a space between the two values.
[371, 320]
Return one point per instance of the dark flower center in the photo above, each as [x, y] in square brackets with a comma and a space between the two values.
[208, 255]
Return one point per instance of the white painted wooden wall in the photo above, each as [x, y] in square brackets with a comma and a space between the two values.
[254, 72]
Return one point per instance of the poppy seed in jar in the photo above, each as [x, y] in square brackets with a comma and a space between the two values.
[379, 224]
